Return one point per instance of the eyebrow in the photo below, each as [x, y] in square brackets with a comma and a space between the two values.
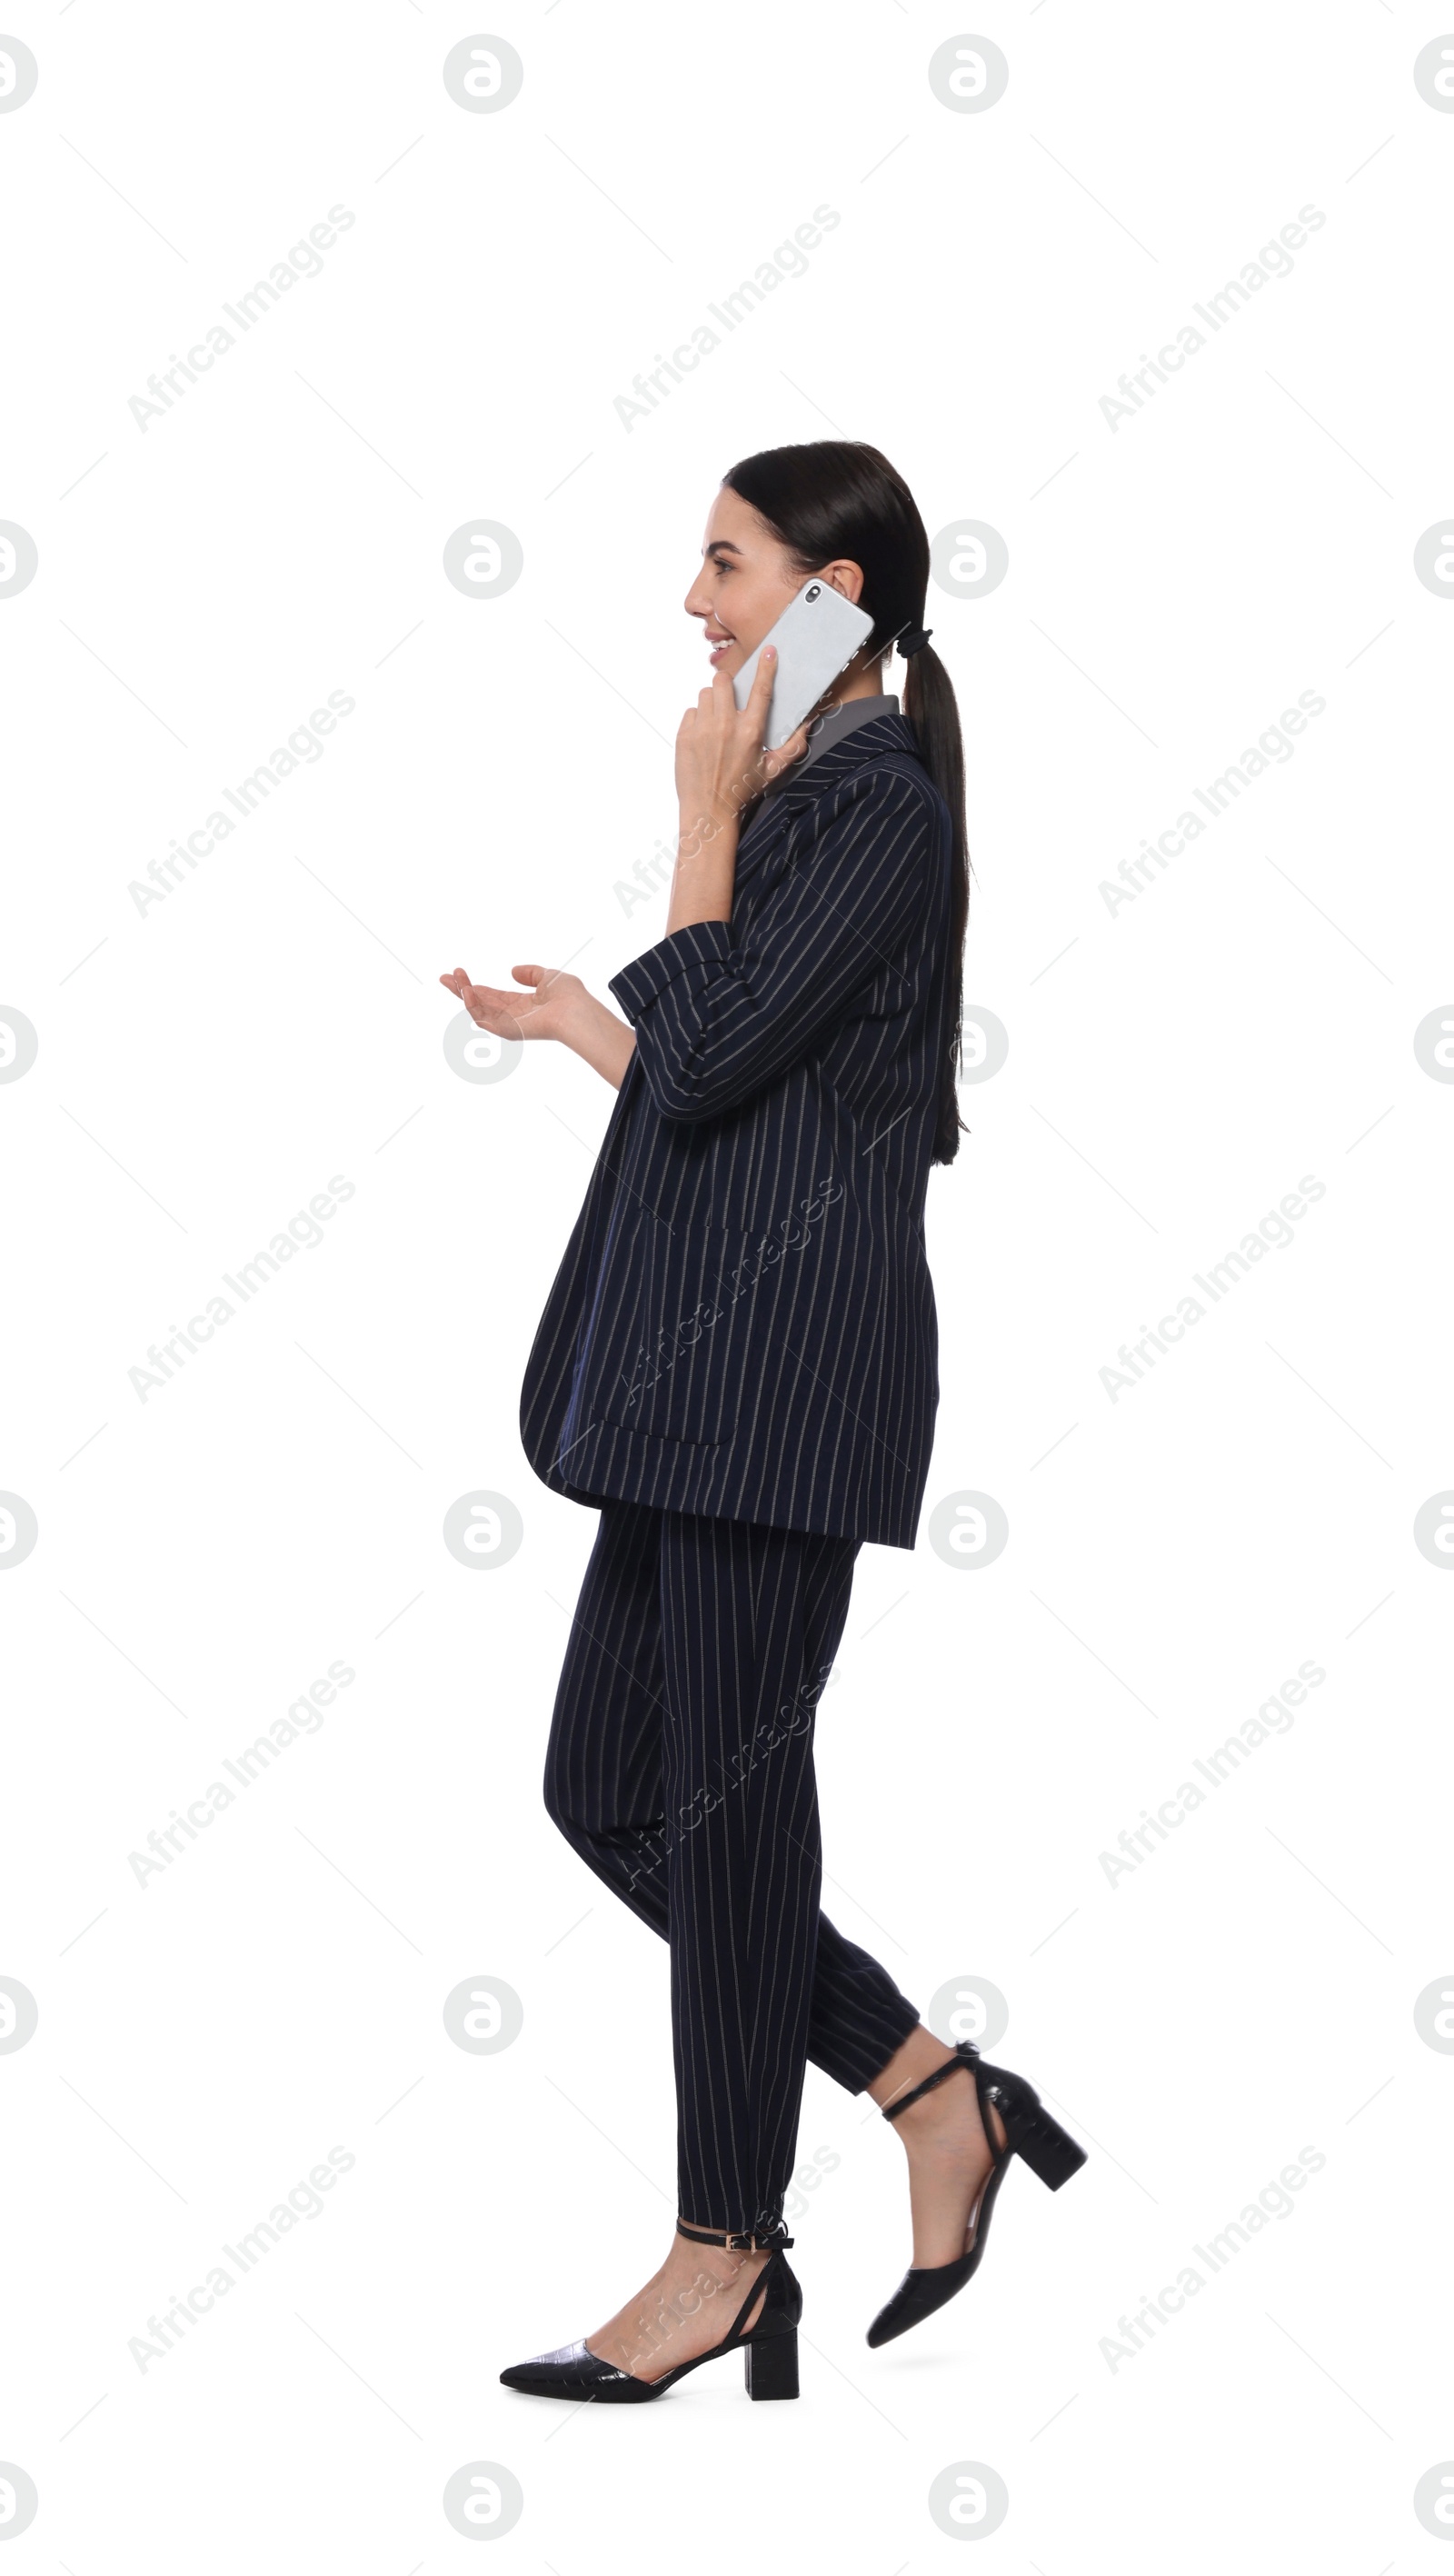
[721, 544]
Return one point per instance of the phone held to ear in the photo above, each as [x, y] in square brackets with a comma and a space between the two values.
[816, 637]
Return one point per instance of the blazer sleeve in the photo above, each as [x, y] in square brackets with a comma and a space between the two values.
[719, 1014]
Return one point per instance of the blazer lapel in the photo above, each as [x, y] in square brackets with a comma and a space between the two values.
[801, 788]
[866, 742]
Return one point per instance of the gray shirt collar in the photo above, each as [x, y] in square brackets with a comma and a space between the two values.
[830, 728]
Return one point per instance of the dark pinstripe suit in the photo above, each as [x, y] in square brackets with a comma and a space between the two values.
[743, 1323]
[738, 1364]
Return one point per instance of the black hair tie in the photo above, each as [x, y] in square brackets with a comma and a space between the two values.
[913, 640]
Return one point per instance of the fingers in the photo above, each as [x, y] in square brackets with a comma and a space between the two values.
[486, 1004]
[482, 1004]
[762, 680]
[459, 982]
[474, 998]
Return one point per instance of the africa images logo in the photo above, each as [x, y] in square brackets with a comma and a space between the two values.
[1274, 260]
[304, 260]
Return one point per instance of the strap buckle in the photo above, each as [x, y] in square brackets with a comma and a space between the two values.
[769, 2240]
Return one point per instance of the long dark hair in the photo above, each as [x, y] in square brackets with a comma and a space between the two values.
[836, 496]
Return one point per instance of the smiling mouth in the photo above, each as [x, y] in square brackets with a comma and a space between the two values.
[718, 645]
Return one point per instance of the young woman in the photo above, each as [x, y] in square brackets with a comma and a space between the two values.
[737, 1366]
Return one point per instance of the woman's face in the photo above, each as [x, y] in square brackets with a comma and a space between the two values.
[747, 579]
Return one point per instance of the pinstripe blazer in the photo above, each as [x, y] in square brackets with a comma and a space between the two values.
[743, 1323]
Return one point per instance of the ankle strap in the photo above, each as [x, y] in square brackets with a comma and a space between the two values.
[770, 2240]
[965, 2054]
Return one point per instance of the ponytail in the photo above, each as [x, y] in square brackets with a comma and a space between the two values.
[838, 497]
[933, 711]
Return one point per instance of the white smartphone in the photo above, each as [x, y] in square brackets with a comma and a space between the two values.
[816, 637]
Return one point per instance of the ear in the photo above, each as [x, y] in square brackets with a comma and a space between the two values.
[845, 577]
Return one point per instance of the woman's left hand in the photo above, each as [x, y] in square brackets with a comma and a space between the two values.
[720, 760]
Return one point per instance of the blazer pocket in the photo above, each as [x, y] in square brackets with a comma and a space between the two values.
[680, 1353]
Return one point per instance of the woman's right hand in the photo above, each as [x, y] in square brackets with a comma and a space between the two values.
[549, 1006]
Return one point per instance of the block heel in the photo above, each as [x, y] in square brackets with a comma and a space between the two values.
[1051, 2153]
[771, 2365]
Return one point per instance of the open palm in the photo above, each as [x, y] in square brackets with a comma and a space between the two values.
[541, 1009]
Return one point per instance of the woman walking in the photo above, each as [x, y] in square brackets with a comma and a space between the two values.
[737, 1366]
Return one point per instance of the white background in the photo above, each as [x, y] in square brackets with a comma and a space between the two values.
[206, 1066]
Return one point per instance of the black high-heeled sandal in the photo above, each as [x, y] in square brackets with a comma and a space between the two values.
[1030, 2132]
[770, 2350]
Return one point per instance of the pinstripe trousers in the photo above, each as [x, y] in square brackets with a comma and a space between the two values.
[680, 1767]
